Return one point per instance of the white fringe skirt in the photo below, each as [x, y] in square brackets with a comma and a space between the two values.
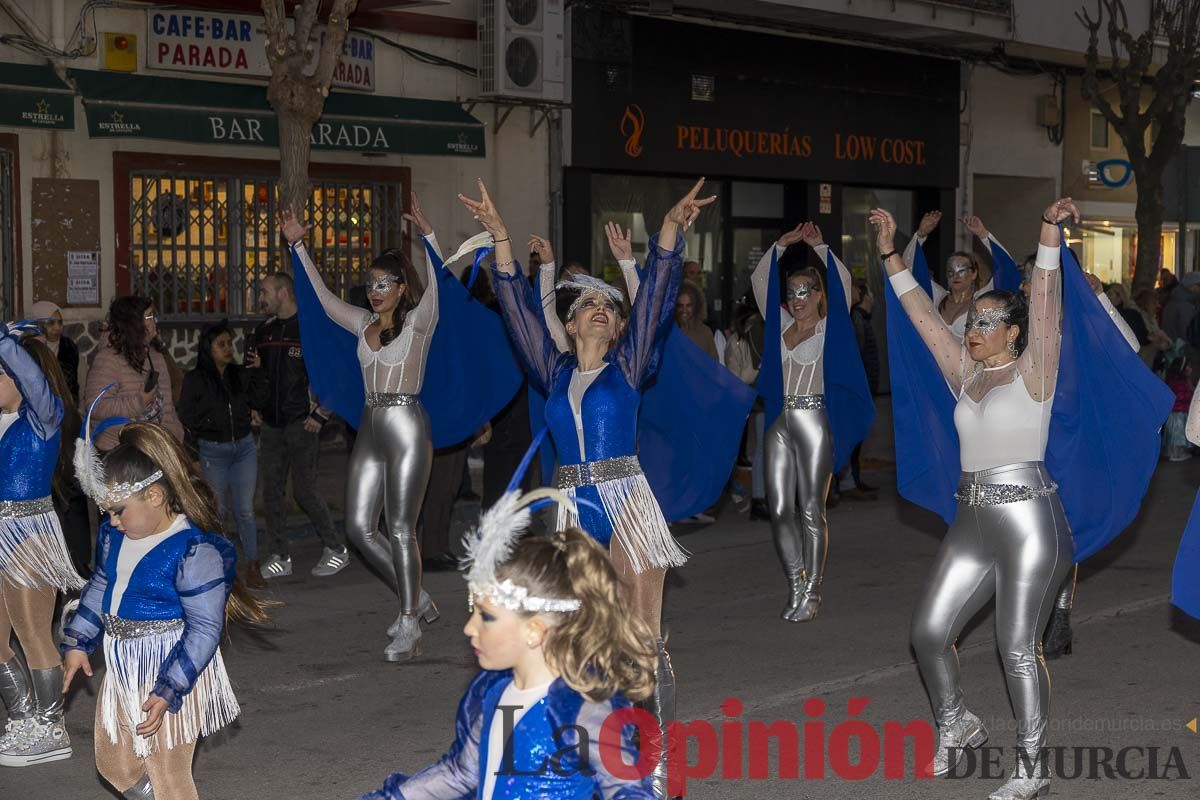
[133, 665]
[32, 550]
[639, 526]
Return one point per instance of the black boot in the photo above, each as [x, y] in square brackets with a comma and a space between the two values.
[1058, 640]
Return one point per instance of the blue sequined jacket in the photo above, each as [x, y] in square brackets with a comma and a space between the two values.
[557, 754]
[29, 448]
[188, 576]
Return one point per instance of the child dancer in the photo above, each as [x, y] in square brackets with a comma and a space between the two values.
[159, 597]
[34, 563]
[558, 652]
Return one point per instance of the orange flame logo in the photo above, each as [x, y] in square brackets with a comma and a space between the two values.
[632, 124]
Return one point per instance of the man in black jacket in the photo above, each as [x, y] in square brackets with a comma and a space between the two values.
[291, 429]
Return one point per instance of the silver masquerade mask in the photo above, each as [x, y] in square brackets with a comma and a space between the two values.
[800, 292]
[987, 320]
[382, 285]
[959, 270]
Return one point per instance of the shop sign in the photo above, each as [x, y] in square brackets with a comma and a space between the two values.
[34, 109]
[235, 45]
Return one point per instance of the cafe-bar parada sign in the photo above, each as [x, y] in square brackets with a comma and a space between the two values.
[235, 45]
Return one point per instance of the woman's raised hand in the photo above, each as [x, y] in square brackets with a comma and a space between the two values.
[620, 244]
[542, 247]
[793, 236]
[810, 232]
[929, 223]
[1060, 210]
[417, 217]
[885, 229]
[293, 229]
[485, 211]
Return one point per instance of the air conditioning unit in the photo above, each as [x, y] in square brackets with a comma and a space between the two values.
[521, 49]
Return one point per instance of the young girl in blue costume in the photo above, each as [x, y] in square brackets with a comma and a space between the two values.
[558, 652]
[159, 599]
[34, 562]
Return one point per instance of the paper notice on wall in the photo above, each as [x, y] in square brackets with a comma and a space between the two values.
[83, 277]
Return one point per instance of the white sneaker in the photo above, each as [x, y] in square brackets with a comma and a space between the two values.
[276, 567]
[331, 562]
[39, 743]
[12, 731]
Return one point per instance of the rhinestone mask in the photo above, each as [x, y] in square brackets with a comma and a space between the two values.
[123, 491]
[382, 285]
[987, 320]
[959, 270]
[800, 292]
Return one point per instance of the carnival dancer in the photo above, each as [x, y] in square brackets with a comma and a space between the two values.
[393, 450]
[593, 398]
[164, 586]
[815, 391]
[558, 654]
[1010, 537]
[34, 562]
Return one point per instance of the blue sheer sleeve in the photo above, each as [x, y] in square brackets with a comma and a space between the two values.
[639, 351]
[45, 410]
[521, 309]
[602, 752]
[85, 628]
[204, 579]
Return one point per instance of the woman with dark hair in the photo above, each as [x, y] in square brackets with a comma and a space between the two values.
[393, 451]
[1010, 538]
[217, 398]
[688, 307]
[132, 358]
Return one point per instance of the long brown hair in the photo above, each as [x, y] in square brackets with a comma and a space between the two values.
[144, 448]
[395, 263]
[600, 649]
[813, 274]
[71, 422]
[127, 329]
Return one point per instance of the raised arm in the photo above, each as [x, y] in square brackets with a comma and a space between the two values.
[947, 350]
[424, 315]
[547, 277]
[761, 276]
[46, 410]
[1039, 362]
[620, 244]
[520, 305]
[203, 580]
[345, 315]
[928, 225]
[814, 239]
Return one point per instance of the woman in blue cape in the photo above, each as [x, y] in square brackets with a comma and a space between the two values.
[593, 397]
[1185, 579]
[393, 452]
[1009, 534]
[815, 390]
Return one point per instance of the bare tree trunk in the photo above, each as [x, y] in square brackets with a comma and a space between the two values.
[1150, 212]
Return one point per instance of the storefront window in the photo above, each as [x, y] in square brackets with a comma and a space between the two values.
[200, 244]
[1108, 249]
[858, 237]
[640, 203]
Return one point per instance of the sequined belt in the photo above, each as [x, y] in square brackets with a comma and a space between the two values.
[808, 402]
[590, 473]
[120, 628]
[13, 509]
[995, 494]
[389, 399]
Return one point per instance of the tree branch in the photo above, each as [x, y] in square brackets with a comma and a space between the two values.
[306, 17]
[335, 37]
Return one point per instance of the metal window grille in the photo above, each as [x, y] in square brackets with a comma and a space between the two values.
[201, 244]
[8, 260]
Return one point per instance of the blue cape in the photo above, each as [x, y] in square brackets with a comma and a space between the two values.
[689, 428]
[1185, 579]
[470, 373]
[1104, 427]
[1006, 275]
[848, 400]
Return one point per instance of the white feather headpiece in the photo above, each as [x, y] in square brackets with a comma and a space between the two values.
[89, 468]
[491, 545]
[585, 285]
[477, 241]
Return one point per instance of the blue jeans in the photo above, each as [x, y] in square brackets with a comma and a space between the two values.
[233, 466]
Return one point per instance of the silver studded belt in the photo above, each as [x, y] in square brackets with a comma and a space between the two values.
[808, 402]
[994, 494]
[590, 473]
[389, 399]
[120, 628]
[12, 509]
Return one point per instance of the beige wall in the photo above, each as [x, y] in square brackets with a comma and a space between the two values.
[516, 168]
[1077, 148]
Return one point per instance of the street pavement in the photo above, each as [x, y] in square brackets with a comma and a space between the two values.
[323, 716]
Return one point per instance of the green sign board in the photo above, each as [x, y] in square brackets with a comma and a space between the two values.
[35, 108]
[224, 126]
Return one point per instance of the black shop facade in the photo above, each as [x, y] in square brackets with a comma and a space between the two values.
[784, 129]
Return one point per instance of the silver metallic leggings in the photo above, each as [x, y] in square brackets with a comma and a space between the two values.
[799, 454]
[1019, 552]
[389, 470]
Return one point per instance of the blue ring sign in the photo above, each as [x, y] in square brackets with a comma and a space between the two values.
[1104, 166]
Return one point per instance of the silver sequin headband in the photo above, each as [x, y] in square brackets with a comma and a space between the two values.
[585, 285]
[123, 491]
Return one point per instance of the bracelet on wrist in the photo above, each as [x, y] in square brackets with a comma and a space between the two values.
[888, 255]
[1047, 221]
[505, 239]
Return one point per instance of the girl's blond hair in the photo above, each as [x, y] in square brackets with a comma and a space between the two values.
[602, 648]
[144, 448]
